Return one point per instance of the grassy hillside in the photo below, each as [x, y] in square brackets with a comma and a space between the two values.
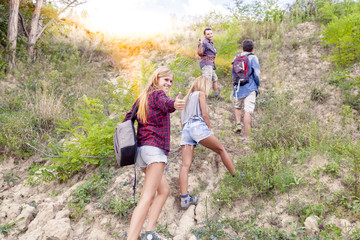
[302, 164]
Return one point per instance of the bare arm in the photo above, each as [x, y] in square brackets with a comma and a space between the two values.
[205, 115]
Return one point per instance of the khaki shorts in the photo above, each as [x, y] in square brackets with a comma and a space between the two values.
[209, 73]
[249, 102]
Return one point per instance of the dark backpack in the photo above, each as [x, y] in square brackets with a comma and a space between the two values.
[240, 69]
[125, 143]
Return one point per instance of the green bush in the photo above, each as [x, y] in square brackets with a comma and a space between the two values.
[331, 10]
[90, 139]
[265, 171]
[282, 125]
[343, 34]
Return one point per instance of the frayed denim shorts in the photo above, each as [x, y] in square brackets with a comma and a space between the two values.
[149, 154]
[194, 131]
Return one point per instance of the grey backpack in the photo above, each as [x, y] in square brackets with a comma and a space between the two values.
[125, 143]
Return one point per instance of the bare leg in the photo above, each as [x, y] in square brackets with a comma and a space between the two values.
[215, 87]
[163, 193]
[247, 124]
[238, 115]
[187, 153]
[213, 143]
[153, 175]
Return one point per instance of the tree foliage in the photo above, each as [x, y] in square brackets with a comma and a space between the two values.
[343, 34]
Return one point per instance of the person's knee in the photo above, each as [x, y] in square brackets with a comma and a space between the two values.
[185, 167]
[167, 191]
[164, 190]
[146, 200]
[248, 114]
[219, 150]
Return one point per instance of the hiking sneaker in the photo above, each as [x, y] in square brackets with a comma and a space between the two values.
[238, 128]
[219, 98]
[152, 235]
[187, 201]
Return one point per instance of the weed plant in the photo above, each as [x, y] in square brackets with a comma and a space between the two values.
[211, 228]
[265, 171]
[163, 229]
[94, 187]
[119, 206]
[6, 227]
[282, 125]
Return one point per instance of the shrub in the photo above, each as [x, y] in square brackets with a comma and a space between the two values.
[90, 139]
[282, 125]
[344, 35]
[264, 171]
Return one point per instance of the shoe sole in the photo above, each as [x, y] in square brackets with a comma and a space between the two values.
[185, 208]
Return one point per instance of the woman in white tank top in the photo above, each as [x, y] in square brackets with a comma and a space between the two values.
[196, 129]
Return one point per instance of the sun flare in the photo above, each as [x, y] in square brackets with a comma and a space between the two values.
[126, 20]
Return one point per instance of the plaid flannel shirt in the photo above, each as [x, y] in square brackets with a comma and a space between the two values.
[156, 132]
[209, 54]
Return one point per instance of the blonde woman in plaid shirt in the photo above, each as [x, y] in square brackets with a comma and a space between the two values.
[153, 135]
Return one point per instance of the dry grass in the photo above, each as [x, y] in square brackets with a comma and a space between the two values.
[45, 103]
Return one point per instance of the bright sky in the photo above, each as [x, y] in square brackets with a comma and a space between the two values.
[144, 16]
[147, 16]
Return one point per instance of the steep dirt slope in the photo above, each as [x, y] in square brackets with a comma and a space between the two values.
[44, 208]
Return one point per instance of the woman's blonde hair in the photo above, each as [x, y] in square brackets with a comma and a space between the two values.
[200, 84]
[153, 85]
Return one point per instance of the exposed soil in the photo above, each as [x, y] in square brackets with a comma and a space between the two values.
[46, 213]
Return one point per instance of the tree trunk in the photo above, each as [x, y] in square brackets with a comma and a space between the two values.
[34, 28]
[12, 33]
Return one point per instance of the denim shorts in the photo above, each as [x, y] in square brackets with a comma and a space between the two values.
[149, 154]
[194, 131]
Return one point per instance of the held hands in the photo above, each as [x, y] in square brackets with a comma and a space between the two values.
[199, 40]
[179, 103]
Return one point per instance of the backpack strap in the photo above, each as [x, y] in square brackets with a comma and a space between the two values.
[133, 117]
[134, 186]
[134, 112]
[247, 55]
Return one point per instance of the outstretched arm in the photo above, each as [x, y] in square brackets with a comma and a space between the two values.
[165, 104]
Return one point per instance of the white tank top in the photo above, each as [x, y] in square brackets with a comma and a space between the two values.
[192, 109]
